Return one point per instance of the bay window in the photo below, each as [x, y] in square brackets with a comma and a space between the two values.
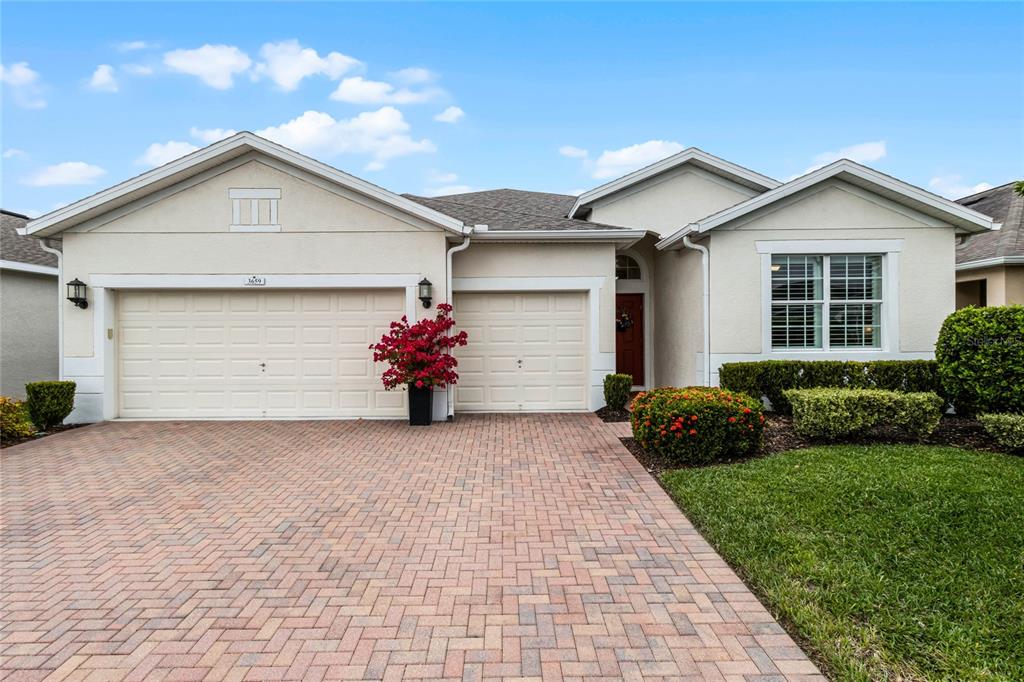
[826, 302]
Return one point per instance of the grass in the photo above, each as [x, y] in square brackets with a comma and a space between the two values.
[890, 562]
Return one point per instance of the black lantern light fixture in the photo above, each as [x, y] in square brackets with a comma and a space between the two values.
[424, 291]
[76, 293]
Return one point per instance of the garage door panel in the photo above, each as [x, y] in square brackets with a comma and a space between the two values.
[527, 351]
[185, 354]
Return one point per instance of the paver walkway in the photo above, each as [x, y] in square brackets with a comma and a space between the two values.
[493, 547]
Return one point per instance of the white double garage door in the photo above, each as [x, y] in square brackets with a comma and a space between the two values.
[291, 353]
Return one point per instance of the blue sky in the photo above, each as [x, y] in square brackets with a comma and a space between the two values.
[435, 98]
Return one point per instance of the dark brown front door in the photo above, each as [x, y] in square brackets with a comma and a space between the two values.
[629, 336]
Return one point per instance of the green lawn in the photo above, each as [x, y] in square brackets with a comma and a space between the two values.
[892, 562]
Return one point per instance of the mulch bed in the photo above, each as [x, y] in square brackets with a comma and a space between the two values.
[6, 443]
[779, 436]
[607, 414]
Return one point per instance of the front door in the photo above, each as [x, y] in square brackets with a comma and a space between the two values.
[629, 336]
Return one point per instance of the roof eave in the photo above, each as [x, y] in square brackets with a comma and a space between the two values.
[619, 236]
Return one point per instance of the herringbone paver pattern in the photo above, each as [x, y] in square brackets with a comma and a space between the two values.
[494, 547]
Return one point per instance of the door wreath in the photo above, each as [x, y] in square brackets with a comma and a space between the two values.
[623, 320]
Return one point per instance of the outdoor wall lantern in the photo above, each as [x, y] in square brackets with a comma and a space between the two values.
[76, 293]
[424, 291]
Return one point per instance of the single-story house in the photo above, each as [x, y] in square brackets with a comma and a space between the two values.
[990, 266]
[247, 280]
[29, 299]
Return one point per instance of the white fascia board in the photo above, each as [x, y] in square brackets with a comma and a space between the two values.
[210, 153]
[960, 215]
[28, 267]
[676, 237]
[630, 236]
[990, 262]
[692, 154]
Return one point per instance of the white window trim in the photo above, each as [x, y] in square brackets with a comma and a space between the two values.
[889, 249]
[600, 363]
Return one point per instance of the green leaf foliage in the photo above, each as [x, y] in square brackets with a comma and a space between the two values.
[1007, 429]
[50, 402]
[616, 390]
[843, 412]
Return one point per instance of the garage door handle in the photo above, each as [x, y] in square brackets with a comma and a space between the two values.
[519, 362]
[263, 365]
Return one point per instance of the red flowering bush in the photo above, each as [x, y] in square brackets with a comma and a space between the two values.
[697, 425]
[419, 354]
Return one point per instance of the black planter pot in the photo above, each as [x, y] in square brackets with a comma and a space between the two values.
[420, 406]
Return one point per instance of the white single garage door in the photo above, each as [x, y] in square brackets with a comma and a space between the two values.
[526, 351]
[254, 353]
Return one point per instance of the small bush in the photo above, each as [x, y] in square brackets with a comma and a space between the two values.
[49, 402]
[616, 390]
[772, 378]
[980, 352]
[14, 421]
[843, 412]
[1007, 429]
[697, 425]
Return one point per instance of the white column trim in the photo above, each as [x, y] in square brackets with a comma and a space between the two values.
[246, 281]
[828, 246]
[600, 363]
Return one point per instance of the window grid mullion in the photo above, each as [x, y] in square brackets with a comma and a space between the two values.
[826, 285]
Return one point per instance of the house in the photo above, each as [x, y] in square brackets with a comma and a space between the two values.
[990, 266]
[247, 280]
[28, 308]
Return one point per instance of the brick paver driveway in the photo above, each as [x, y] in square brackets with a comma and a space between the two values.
[497, 546]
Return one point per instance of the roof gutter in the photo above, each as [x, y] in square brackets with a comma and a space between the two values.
[624, 236]
[990, 263]
[60, 304]
[705, 266]
[451, 301]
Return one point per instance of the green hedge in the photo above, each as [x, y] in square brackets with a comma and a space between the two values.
[772, 378]
[1007, 429]
[980, 353]
[14, 421]
[697, 425]
[842, 412]
[616, 390]
[49, 402]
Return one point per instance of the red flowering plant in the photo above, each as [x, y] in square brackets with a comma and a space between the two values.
[420, 353]
[697, 424]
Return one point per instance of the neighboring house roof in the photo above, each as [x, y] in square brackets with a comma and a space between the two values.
[961, 217]
[209, 157]
[694, 156]
[513, 210]
[22, 253]
[1003, 247]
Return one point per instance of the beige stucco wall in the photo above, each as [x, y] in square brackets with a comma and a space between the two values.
[834, 211]
[28, 330]
[188, 233]
[678, 331]
[1004, 285]
[547, 260]
[669, 201]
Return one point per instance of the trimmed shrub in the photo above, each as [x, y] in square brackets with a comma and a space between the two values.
[49, 402]
[616, 390]
[1007, 429]
[843, 412]
[772, 378]
[980, 352]
[14, 421]
[697, 425]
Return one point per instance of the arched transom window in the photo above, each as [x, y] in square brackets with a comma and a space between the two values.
[626, 267]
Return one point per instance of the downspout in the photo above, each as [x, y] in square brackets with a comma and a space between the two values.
[60, 305]
[706, 277]
[451, 298]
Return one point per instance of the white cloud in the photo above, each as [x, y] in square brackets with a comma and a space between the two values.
[287, 63]
[211, 135]
[450, 115]
[138, 69]
[24, 84]
[953, 186]
[215, 65]
[572, 152]
[103, 80]
[440, 177]
[414, 75]
[13, 153]
[449, 189]
[865, 152]
[358, 90]
[66, 173]
[159, 153]
[382, 134]
[133, 45]
[616, 162]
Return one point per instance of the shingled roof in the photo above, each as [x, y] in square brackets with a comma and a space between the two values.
[1005, 206]
[511, 210]
[14, 247]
